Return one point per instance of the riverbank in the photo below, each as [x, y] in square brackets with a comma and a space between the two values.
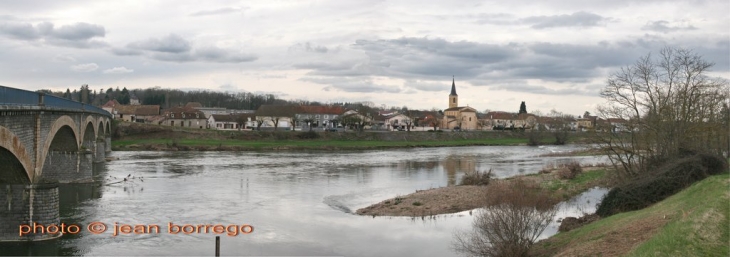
[454, 199]
[693, 222]
[147, 137]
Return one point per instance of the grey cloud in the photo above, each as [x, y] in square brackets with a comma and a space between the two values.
[78, 31]
[225, 10]
[23, 31]
[309, 47]
[425, 86]
[422, 59]
[125, 51]
[664, 27]
[356, 85]
[79, 35]
[578, 19]
[214, 54]
[170, 44]
[206, 54]
[315, 48]
[546, 91]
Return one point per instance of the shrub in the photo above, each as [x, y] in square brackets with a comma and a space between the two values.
[663, 182]
[476, 178]
[547, 168]
[417, 203]
[308, 135]
[534, 137]
[515, 216]
[570, 170]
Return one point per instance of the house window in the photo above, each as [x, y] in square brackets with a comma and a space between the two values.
[453, 100]
[189, 123]
[469, 118]
[326, 117]
[172, 115]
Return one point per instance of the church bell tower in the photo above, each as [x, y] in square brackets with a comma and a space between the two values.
[453, 97]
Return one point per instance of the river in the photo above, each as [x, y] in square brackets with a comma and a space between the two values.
[298, 203]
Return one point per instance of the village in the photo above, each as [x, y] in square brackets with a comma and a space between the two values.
[333, 118]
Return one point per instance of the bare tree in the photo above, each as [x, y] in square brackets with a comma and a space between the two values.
[309, 122]
[275, 120]
[408, 121]
[241, 120]
[670, 106]
[513, 219]
[559, 126]
[259, 121]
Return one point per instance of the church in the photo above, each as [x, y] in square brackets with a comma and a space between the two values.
[462, 117]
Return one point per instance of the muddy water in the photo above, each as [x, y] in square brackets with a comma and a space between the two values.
[298, 203]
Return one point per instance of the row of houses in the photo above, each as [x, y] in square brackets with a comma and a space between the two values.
[301, 117]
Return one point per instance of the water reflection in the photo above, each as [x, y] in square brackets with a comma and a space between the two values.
[299, 202]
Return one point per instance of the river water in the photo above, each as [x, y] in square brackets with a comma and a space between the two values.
[298, 203]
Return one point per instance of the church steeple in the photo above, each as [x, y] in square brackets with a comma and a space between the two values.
[453, 86]
[453, 97]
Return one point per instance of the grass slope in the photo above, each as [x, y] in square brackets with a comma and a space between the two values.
[693, 222]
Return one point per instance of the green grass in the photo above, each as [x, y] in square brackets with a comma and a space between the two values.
[316, 144]
[697, 224]
[582, 181]
[700, 224]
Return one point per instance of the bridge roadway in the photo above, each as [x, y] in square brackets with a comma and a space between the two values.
[44, 141]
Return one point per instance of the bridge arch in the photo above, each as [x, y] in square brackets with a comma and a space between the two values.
[83, 128]
[61, 122]
[100, 131]
[11, 146]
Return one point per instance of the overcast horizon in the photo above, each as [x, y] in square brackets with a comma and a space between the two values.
[550, 54]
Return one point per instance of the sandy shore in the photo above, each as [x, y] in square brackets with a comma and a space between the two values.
[454, 199]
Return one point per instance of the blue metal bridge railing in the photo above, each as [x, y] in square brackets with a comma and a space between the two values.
[13, 96]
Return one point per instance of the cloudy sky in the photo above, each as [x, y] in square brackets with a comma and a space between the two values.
[551, 53]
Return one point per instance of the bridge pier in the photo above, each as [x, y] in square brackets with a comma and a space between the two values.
[68, 167]
[26, 205]
[108, 145]
[100, 155]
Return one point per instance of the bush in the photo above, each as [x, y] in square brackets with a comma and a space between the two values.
[534, 137]
[476, 178]
[308, 135]
[665, 181]
[515, 216]
[570, 170]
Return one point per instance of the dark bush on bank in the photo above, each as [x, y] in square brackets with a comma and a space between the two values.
[476, 178]
[664, 181]
[308, 135]
[570, 170]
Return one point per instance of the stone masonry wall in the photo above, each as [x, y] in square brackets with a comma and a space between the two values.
[100, 155]
[67, 167]
[16, 210]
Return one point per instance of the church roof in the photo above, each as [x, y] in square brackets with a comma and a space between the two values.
[453, 87]
[461, 108]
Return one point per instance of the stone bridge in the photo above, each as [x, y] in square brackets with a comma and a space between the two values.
[44, 140]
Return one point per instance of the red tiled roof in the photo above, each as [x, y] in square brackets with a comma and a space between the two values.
[111, 103]
[187, 112]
